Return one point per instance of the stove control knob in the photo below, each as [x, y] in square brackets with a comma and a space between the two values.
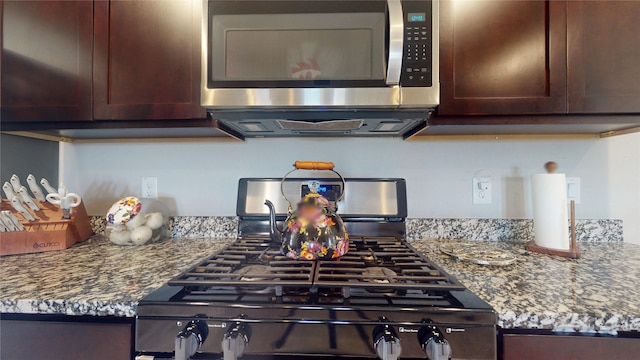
[433, 343]
[386, 341]
[235, 340]
[189, 339]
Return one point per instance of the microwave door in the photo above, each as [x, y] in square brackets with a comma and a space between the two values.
[302, 53]
[396, 42]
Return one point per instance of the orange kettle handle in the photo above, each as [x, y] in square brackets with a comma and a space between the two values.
[313, 165]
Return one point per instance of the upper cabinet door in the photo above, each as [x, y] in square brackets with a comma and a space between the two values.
[45, 71]
[502, 57]
[604, 56]
[147, 60]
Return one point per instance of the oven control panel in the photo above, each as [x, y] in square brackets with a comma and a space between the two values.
[277, 329]
[417, 52]
[331, 191]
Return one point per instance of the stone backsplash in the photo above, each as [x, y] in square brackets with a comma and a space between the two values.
[587, 230]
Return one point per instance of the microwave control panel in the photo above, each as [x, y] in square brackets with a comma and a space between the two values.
[417, 63]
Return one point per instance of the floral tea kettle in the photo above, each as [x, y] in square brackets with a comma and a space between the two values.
[313, 231]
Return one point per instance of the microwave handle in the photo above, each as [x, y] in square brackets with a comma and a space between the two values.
[396, 41]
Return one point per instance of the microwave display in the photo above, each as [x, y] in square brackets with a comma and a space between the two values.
[414, 17]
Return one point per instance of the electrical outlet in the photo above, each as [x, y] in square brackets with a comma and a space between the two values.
[150, 187]
[482, 190]
[573, 189]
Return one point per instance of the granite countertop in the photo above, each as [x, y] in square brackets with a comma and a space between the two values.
[598, 292]
[96, 277]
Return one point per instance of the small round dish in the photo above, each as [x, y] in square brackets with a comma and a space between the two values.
[478, 253]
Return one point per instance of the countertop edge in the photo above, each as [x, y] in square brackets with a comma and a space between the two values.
[69, 307]
[579, 322]
[557, 322]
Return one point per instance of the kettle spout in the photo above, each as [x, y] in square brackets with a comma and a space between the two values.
[276, 234]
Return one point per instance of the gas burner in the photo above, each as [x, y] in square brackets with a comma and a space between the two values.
[252, 272]
[379, 275]
[371, 259]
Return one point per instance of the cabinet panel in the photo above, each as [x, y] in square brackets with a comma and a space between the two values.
[147, 60]
[65, 340]
[502, 57]
[46, 60]
[604, 56]
[555, 347]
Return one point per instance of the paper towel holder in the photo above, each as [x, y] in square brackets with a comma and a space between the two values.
[551, 167]
[573, 252]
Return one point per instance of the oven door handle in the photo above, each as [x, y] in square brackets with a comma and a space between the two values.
[396, 41]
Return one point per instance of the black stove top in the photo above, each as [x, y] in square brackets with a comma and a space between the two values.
[376, 271]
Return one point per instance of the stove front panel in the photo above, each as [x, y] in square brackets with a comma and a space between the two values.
[314, 330]
[312, 339]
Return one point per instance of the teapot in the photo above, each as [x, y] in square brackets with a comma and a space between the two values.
[313, 231]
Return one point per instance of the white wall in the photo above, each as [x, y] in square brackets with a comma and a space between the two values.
[200, 178]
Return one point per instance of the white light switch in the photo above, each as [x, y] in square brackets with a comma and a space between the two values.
[573, 189]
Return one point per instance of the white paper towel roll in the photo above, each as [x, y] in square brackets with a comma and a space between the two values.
[550, 219]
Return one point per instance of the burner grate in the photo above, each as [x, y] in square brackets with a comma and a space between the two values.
[376, 270]
[247, 264]
[383, 264]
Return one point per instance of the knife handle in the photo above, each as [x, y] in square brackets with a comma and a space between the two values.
[17, 204]
[27, 199]
[3, 227]
[8, 190]
[35, 189]
[313, 165]
[13, 220]
[48, 188]
[15, 182]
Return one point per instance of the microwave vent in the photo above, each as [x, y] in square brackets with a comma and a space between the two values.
[390, 126]
[328, 125]
[253, 127]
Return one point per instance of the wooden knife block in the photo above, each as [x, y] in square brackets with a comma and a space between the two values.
[48, 232]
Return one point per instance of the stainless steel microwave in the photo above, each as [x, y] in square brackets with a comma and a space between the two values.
[307, 56]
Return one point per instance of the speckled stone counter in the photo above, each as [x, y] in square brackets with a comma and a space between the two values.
[587, 230]
[598, 292]
[95, 277]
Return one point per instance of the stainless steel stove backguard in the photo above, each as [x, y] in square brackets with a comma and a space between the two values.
[363, 198]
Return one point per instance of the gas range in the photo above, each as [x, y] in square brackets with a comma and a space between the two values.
[382, 299]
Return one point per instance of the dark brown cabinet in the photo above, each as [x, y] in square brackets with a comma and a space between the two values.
[67, 61]
[46, 60]
[147, 60]
[502, 57]
[63, 340]
[556, 347]
[604, 56]
[539, 57]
